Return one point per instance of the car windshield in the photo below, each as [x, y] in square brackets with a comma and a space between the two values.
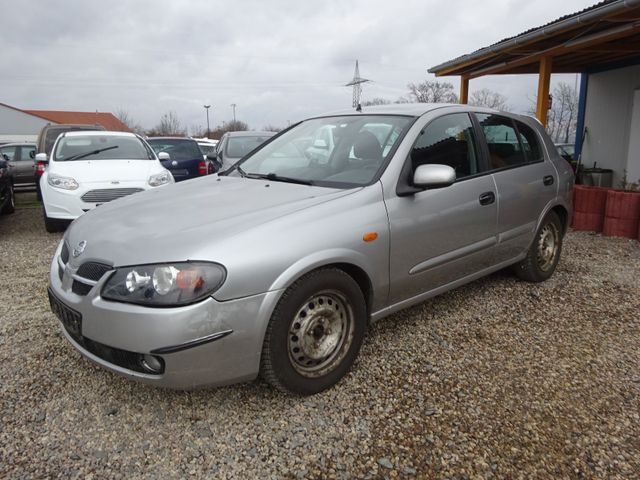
[177, 148]
[238, 147]
[334, 151]
[207, 148]
[101, 147]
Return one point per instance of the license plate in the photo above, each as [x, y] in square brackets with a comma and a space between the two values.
[71, 320]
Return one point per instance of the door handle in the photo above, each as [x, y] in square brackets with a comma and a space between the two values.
[548, 180]
[487, 198]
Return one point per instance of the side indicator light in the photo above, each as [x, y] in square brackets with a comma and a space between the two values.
[370, 236]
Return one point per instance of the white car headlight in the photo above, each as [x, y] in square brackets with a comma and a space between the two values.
[160, 179]
[58, 181]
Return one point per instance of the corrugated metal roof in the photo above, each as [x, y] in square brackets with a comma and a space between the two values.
[496, 46]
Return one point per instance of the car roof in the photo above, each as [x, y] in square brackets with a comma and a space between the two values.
[18, 144]
[251, 133]
[98, 133]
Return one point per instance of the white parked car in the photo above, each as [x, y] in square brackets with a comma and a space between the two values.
[87, 169]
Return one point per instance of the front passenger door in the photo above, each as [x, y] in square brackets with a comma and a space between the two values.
[441, 235]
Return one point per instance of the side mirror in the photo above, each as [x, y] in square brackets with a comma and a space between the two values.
[164, 156]
[42, 157]
[433, 176]
[213, 156]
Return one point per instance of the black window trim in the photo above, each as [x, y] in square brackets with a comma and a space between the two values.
[485, 144]
[404, 187]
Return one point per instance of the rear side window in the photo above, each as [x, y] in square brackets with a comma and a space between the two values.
[530, 143]
[502, 138]
[448, 140]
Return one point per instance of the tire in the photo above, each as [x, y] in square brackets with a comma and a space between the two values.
[315, 333]
[10, 205]
[53, 225]
[544, 252]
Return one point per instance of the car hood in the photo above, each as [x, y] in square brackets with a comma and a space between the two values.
[90, 171]
[187, 220]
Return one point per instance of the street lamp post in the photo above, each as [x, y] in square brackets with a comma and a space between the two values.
[233, 105]
[207, 109]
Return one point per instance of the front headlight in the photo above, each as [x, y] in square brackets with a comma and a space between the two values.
[166, 285]
[161, 179]
[58, 181]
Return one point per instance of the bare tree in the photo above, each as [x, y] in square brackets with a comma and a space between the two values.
[432, 92]
[562, 117]
[488, 98]
[169, 125]
[376, 101]
[564, 113]
[124, 117]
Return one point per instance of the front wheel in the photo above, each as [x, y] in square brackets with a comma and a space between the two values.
[315, 333]
[544, 254]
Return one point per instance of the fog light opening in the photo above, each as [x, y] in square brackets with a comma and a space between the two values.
[151, 363]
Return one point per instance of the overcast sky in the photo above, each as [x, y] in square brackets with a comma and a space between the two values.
[278, 60]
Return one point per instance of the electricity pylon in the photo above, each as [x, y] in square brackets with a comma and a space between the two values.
[356, 83]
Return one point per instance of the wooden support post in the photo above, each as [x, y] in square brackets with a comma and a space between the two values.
[544, 79]
[464, 89]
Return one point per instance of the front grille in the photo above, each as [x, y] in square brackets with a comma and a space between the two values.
[93, 270]
[80, 288]
[64, 254]
[107, 194]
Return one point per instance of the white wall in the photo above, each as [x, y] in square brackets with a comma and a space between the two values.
[15, 125]
[608, 120]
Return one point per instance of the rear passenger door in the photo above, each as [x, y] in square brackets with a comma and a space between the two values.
[525, 181]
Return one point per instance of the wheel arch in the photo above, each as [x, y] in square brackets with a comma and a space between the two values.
[352, 263]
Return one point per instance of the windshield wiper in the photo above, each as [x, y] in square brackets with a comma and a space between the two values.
[92, 152]
[276, 178]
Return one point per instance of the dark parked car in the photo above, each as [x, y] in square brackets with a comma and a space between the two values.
[185, 157]
[235, 145]
[47, 137]
[21, 158]
[7, 198]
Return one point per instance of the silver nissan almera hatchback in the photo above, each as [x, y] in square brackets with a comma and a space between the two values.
[277, 265]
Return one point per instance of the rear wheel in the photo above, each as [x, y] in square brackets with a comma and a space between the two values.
[315, 333]
[8, 199]
[544, 253]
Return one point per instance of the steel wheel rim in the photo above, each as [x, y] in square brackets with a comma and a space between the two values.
[320, 334]
[547, 249]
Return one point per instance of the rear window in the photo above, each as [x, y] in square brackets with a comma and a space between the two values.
[178, 149]
[238, 147]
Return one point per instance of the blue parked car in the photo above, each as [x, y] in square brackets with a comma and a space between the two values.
[185, 157]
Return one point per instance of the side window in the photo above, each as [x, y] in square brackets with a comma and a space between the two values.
[8, 153]
[530, 143]
[27, 152]
[448, 140]
[502, 139]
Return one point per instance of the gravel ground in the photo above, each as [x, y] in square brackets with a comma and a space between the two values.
[497, 379]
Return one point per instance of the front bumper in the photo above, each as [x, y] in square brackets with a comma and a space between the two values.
[68, 204]
[210, 343]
